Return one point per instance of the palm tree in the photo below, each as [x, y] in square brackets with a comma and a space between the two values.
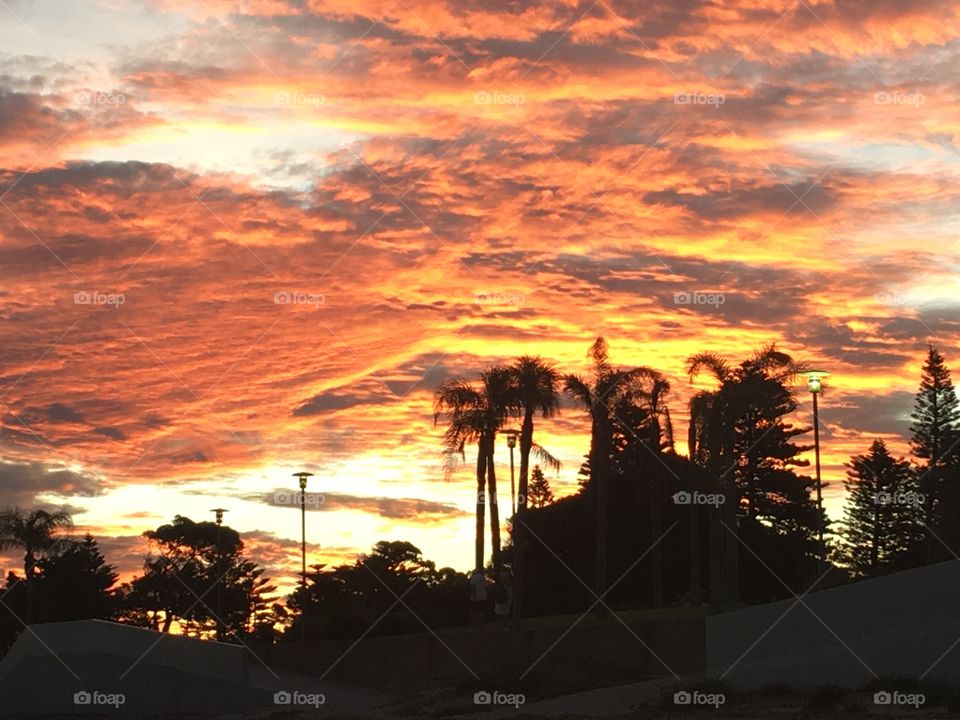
[499, 401]
[659, 439]
[476, 413]
[459, 401]
[33, 533]
[535, 386]
[599, 395]
[715, 417]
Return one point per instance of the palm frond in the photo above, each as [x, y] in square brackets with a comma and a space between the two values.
[577, 387]
[713, 362]
[545, 458]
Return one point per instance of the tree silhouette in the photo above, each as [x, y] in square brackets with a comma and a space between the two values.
[934, 429]
[643, 431]
[461, 403]
[739, 433]
[540, 493]
[360, 598]
[34, 533]
[197, 575]
[75, 583]
[535, 387]
[883, 517]
[475, 414]
[599, 396]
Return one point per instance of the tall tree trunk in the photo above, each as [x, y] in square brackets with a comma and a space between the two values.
[29, 561]
[520, 518]
[933, 484]
[481, 503]
[600, 472]
[694, 593]
[875, 545]
[526, 445]
[656, 520]
[731, 533]
[494, 507]
[718, 538]
[656, 552]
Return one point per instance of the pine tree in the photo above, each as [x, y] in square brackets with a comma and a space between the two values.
[936, 413]
[936, 421]
[540, 493]
[883, 518]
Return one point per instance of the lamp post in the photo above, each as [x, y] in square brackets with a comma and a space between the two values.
[302, 476]
[219, 519]
[512, 443]
[815, 385]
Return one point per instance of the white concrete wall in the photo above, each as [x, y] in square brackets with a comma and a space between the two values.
[898, 625]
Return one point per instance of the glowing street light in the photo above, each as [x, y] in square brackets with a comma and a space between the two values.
[815, 385]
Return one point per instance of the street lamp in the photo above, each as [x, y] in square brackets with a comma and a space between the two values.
[815, 385]
[302, 476]
[219, 519]
[303, 525]
[512, 443]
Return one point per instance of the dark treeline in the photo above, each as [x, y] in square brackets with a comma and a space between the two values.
[732, 522]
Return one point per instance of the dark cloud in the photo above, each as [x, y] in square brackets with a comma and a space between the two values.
[111, 432]
[872, 414]
[406, 509]
[747, 201]
[424, 371]
[23, 481]
[55, 413]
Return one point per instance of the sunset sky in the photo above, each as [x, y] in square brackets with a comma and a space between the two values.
[433, 187]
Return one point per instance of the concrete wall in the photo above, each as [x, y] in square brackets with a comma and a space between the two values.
[898, 625]
[228, 662]
[455, 655]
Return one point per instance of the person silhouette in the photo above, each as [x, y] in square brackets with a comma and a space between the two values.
[478, 597]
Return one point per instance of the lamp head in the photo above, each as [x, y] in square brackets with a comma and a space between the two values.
[219, 512]
[303, 478]
[815, 379]
[512, 438]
